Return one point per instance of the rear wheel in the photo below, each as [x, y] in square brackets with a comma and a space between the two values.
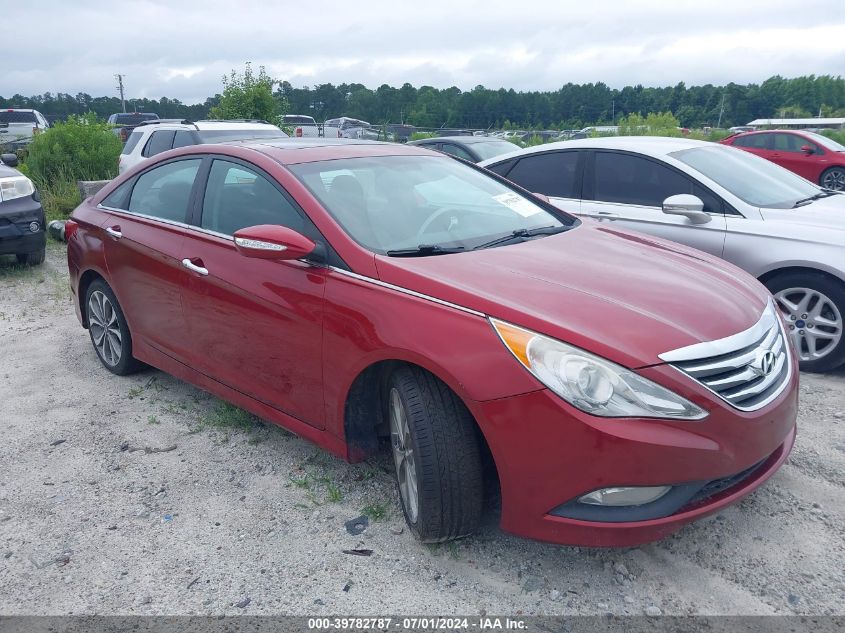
[32, 259]
[813, 306]
[108, 329]
[834, 179]
[436, 455]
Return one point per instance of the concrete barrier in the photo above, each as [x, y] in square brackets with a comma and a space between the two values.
[88, 188]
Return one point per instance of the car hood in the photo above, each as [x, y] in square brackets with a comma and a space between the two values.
[625, 296]
[6, 171]
[826, 213]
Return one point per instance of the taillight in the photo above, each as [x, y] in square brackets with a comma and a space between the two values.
[70, 229]
[298, 132]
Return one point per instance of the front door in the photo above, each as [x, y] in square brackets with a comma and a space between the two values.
[787, 152]
[256, 324]
[627, 191]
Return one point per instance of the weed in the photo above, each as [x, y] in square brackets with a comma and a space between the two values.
[375, 511]
[333, 493]
[134, 392]
[151, 419]
[301, 482]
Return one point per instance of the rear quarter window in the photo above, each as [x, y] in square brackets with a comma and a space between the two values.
[131, 142]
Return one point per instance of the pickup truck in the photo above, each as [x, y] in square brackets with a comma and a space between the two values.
[18, 127]
[125, 122]
[300, 125]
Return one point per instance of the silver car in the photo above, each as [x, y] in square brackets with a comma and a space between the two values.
[784, 230]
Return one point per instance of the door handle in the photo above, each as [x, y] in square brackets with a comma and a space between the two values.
[607, 215]
[187, 263]
[114, 231]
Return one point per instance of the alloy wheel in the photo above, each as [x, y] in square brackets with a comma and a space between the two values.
[814, 323]
[834, 179]
[403, 455]
[105, 328]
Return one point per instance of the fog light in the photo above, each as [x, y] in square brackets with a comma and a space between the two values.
[624, 496]
[34, 226]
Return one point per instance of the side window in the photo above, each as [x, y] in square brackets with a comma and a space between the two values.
[455, 150]
[712, 202]
[635, 180]
[790, 143]
[503, 167]
[119, 198]
[754, 141]
[549, 173]
[164, 192]
[160, 141]
[183, 138]
[131, 142]
[237, 197]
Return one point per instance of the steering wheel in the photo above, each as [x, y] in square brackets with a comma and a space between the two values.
[434, 216]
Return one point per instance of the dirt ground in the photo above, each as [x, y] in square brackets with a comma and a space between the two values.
[144, 495]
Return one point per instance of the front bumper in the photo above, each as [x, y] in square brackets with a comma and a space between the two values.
[16, 218]
[548, 454]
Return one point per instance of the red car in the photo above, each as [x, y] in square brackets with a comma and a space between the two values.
[817, 158]
[361, 294]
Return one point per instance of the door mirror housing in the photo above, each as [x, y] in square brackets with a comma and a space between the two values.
[11, 160]
[807, 149]
[272, 241]
[688, 206]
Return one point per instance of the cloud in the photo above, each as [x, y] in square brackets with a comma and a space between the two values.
[182, 49]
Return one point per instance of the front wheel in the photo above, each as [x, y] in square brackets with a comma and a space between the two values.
[108, 329]
[436, 454]
[833, 179]
[813, 306]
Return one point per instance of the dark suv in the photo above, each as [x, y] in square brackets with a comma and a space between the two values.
[21, 215]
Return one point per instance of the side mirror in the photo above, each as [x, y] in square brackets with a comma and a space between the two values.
[271, 241]
[807, 149]
[687, 205]
[10, 160]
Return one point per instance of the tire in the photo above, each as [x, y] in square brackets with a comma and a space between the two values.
[444, 456]
[833, 178]
[113, 344]
[814, 308]
[32, 259]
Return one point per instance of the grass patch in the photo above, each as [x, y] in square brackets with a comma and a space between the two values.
[151, 419]
[375, 511]
[333, 493]
[228, 416]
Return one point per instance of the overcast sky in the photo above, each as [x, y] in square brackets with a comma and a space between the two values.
[180, 48]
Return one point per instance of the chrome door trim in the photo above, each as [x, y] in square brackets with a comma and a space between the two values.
[407, 291]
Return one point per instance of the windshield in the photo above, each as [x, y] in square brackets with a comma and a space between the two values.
[390, 203]
[752, 179]
[489, 149]
[222, 136]
[827, 143]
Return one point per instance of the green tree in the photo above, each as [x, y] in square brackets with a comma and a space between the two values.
[249, 96]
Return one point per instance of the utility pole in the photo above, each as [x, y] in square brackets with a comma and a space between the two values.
[120, 88]
[721, 110]
[613, 110]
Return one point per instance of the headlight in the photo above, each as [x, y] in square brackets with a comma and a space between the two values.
[15, 187]
[591, 383]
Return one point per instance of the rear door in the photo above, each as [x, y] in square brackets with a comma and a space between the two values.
[629, 189]
[256, 323]
[143, 237]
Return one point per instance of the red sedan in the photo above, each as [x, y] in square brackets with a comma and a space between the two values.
[815, 157]
[366, 295]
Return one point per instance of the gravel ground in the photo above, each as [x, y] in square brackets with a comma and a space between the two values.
[144, 495]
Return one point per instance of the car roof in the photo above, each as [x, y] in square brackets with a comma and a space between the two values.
[651, 145]
[291, 151]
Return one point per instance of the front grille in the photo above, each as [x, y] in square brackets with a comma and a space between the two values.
[747, 370]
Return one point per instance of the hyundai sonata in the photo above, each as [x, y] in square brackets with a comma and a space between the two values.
[352, 292]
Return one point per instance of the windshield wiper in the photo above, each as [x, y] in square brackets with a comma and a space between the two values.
[424, 250]
[521, 234]
[819, 195]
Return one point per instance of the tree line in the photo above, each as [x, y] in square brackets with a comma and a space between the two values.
[572, 106]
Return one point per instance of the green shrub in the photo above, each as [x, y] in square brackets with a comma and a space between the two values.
[83, 148]
[418, 136]
[836, 135]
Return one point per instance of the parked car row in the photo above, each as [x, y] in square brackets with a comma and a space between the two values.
[619, 385]
[19, 126]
